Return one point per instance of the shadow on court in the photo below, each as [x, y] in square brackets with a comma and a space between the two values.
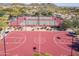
[75, 45]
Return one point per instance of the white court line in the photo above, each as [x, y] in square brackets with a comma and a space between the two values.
[36, 40]
[65, 42]
[54, 39]
[39, 42]
[10, 49]
[15, 40]
[13, 43]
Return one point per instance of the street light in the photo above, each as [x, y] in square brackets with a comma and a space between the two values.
[38, 16]
[4, 35]
[72, 34]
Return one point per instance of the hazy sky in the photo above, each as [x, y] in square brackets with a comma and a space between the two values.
[68, 4]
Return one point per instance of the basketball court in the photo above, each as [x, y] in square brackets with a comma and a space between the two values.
[22, 43]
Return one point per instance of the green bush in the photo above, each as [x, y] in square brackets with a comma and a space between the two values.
[40, 54]
[36, 54]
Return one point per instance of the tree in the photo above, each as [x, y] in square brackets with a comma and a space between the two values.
[44, 13]
[76, 23]
[66, 24]
[36, 14]
[73, 24]
[49, 13]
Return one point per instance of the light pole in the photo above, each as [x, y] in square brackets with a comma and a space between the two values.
[4, 46]
[72, 34]
[72, 47]
[38, 16]
[38, 19]
[4, 41]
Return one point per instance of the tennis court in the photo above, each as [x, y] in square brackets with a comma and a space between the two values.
[21, 43]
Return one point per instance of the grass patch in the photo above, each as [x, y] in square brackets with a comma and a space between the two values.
[40, 54]
[3, 24]
[4, 17]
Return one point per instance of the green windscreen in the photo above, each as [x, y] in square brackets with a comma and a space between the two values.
[35, 22]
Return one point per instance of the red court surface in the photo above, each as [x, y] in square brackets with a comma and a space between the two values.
[21, 43]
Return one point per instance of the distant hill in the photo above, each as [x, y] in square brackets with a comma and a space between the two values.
[25, 5]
